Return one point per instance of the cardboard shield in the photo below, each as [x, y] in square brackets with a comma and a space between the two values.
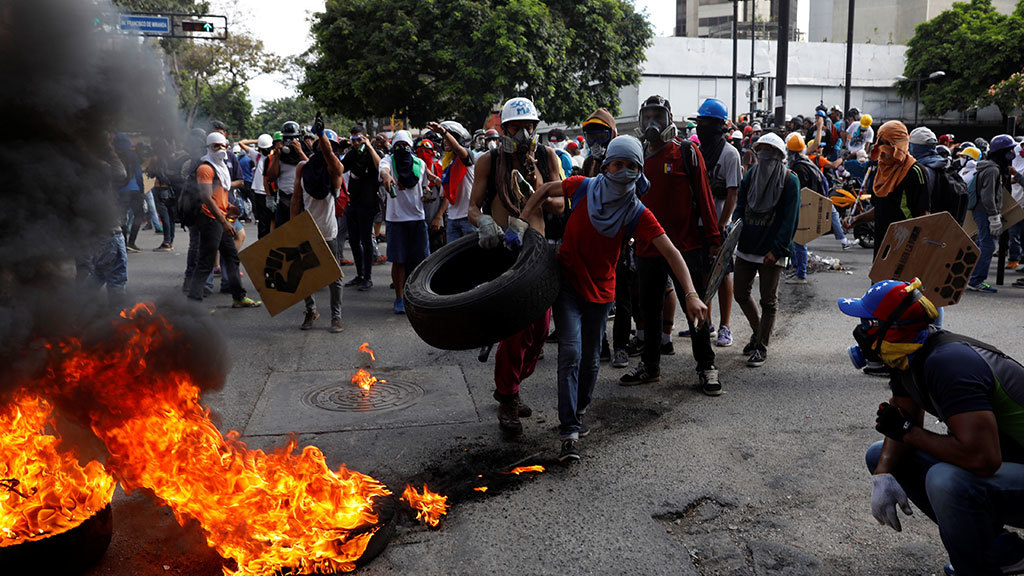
[815, 218]
[1012, 213]
[720, 266]
[290, 263]
[932, 248]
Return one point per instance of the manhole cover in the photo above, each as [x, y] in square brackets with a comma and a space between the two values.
[347, 397]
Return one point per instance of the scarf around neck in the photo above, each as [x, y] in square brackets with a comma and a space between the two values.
[408, 168]
[220, 168]
[613, 206]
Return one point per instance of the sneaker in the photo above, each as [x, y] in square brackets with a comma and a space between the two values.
[639, 375]
[796, 280]
[336, 326]
[635, 347]
[724, 337]
[357, 281]
[307, 322]
[981, 287]
[165, 247]
[709, 383]
[365, 285]
[1018, 283]
[346, 262]
[381, 259]
[570, 450]
[620, 359]
[246, 302]
[1012, 264]
[132, 248]
[508, 417]
[751, 346]
[847, 244]
[584, 429]
[381, 239]
[757, 358]
[216, 269]
[399, 305]
[667, 349]
[685, 333]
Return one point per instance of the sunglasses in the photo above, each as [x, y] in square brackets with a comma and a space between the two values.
[216, 147]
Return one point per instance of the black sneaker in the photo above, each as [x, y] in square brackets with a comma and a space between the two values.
[354, 282]
[570, 450]
[880, 370]
[668, 349]
[757, 358]
[584, 429]
[365, 285]
[709, 382]
[635, 347]
[751, 346]
[639, 375]
[552, 337]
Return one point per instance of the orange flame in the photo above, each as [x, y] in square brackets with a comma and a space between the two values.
[429, 506]
[43, 490]
[365, 347]
[524, 469]
[364, 379]
[264, 512]
[480, 488]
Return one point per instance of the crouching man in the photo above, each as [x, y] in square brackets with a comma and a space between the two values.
[969, 481]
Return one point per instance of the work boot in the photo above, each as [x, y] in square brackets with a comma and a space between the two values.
[307, 322]
[524, 410]
[508, 416]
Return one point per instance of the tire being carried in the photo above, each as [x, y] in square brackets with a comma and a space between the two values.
[465, 297]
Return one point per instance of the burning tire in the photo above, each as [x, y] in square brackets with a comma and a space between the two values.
[65, 554]
[465, 297]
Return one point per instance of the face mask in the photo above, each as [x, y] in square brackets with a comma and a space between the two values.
[219, 155]
[518, 144]
[492, 144]
[625, 176]
[708, 134]
[597, 150]
[864, 351]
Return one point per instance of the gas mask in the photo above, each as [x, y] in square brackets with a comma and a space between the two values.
[659, 128]
[597, 141]
[519, 144]
[864, 351]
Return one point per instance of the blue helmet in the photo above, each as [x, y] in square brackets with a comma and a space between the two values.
[332, 136]
[713, 108]
[1002, 144]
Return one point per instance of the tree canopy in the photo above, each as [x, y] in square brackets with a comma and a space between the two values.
[974, 45]
[458, 58]
[273, 113]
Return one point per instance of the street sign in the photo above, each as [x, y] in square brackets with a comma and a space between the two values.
[145, 25]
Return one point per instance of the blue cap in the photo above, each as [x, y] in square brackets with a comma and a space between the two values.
[866, 306]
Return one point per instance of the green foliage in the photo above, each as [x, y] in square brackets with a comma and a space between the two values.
[273, 113]
[1008, 95]
[458, 59]
[973, 44]
[230, 104]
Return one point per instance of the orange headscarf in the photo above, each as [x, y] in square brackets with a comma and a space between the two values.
[891, 170]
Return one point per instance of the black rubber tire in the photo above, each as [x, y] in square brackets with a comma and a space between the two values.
[66, 554]
[465, 297]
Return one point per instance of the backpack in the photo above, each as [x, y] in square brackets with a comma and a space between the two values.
[190, 205]
[316, 179]
[948, 192]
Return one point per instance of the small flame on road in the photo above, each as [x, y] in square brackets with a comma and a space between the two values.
[525, 469]
[429, 506]
[481, 488]
[365, 348]
[364, 379]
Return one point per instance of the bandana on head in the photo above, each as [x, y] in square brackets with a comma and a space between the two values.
[893, 169]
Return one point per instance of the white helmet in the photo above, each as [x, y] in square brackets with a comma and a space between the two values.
[265, 141]
[519, 109]
[771, 139]
[461, 134]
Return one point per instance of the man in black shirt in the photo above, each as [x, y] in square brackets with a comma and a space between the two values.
[361, 162]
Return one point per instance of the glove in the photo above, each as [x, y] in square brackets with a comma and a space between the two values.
[514, 234]
[318, 125]
[490, 233]
[886, 494]
[995, 225]
[892, 421]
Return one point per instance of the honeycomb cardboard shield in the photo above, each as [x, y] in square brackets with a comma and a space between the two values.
[1012, 213]
[932, 248]
[720, 266]
[290, 263]
[815, 216]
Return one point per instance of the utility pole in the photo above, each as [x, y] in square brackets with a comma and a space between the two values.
[735, 46]
[849, 58]
[782, 63]
[753, 42]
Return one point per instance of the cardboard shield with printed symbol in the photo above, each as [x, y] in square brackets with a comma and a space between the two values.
[290, 263]
[720, 265]
[1012, 213]
[815, 217]
[933, 248]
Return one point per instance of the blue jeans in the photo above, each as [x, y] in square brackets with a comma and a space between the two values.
[107, 265]
[970, 510]
[581, 326]
[837, 226]
[800, 260]
[192, 260]
[154, 216]
[1017, 241]
[459, 227]
[987, 245]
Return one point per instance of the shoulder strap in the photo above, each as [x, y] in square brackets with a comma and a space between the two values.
[940, 338]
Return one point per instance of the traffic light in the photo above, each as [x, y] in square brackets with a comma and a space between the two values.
[197, 26]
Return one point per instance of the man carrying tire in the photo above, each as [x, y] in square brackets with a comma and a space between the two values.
[680, 198]
[495, 198]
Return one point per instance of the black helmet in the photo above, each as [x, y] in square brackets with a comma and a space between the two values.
[943, 151]
[853, 113]
[656, 102]
[291, 129]
[659, 127]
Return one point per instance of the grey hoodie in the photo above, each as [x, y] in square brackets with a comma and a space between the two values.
[989, 185]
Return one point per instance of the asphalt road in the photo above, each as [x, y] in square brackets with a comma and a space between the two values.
[769, 478]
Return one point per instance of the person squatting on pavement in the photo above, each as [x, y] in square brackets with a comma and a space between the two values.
[605, 214]
[322, 210]
[970, 480]
[681, 200]
[490, 206]
[768, 204]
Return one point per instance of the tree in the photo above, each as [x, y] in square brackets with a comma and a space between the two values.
[1007, 95]
[458, 58]
[973, 44]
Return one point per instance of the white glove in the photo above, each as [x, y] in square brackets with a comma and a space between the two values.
[995, 225]
[886, 494]
[514, 234]
[490, 233]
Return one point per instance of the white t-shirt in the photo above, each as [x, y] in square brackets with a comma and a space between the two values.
[461, 208]
[858, 137]
[1016, 190]
[322, 212]
[408, 203]
[257, 171]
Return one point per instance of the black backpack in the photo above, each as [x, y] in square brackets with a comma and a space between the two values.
[316, 179]
[948, 192]
[190, 205]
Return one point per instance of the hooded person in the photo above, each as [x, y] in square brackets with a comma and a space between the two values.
[598, 131]
[991, 179]
[924, 148]
[969, 478]
[898, 187]
[768, 203]
[604, 213]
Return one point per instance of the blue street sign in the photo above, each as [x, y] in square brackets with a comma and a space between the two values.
[145, 24]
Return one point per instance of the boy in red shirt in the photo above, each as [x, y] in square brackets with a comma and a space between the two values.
[606, 212]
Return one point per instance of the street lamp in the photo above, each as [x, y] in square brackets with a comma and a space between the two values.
[917, 96]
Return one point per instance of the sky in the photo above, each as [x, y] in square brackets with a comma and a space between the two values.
[286, 31]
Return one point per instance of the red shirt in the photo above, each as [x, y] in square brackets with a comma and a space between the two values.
[587, 258]
[671, 200]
